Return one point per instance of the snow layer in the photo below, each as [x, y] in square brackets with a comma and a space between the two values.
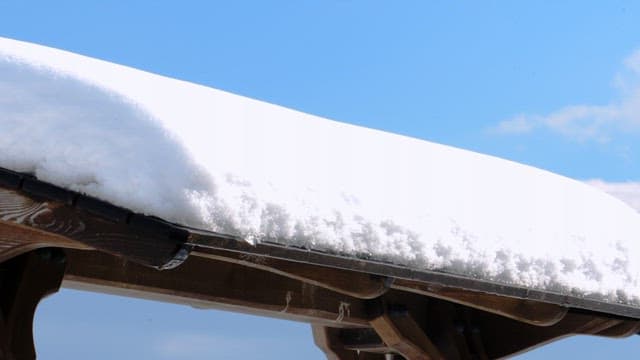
[629, 191]
[214, 160]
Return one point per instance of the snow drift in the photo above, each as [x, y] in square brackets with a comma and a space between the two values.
[222, 162]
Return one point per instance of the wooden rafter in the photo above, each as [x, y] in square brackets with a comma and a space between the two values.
[91, 223]
[359, 285]
[528, 311]
[208, 283]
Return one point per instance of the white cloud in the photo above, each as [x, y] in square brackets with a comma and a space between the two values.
[517, 125]
[629, 192]
[196, 345]
[633, 62]
[585, 122]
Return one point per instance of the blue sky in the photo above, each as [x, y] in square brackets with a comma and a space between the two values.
[551, 84]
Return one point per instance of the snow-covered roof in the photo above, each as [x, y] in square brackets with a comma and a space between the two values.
[222, 162]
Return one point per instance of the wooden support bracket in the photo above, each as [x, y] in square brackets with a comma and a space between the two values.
[24, 281]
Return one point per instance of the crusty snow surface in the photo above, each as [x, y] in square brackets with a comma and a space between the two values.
[222, 162]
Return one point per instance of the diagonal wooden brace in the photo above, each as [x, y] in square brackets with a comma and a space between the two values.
[401, 333]
[24, 281]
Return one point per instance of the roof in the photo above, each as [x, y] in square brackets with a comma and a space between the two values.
[224, 164]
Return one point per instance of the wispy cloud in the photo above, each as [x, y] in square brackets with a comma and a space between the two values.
[196, 345]
[585, 122]
[201, 346]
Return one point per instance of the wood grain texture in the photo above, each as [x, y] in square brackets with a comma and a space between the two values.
[141, 239]
[18, 239]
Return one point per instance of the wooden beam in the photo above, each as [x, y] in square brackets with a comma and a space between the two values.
[621, 330]
[17, 239]
[69, 217]
[435, 329]
[462, 332]
[527, 311]
[502, 337]
[356, 284]
[207, 283]
[401, 333]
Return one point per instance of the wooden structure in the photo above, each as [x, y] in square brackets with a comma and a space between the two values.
[357, 308]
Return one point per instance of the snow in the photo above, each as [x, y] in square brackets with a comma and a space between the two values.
[629, 191]
[222, 162]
